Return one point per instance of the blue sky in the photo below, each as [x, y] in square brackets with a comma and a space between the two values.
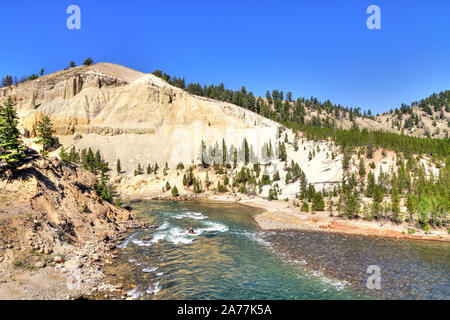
[312, 48]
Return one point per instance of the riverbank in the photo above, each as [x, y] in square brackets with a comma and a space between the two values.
[69, 272]
[282, 215]
[56, 233]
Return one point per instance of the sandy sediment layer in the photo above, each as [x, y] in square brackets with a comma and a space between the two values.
[281, 215]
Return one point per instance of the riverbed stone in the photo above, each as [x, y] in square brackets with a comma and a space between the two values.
[74, 264]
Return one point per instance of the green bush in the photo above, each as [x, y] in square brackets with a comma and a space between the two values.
[175, 191]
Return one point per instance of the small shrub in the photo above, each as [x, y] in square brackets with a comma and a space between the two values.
[305, 207]
[175, 191]
[84, 208]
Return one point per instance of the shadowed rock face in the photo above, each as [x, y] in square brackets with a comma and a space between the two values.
[47, 204]
[130, 115]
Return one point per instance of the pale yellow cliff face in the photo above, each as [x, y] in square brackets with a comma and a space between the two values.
[132, 116]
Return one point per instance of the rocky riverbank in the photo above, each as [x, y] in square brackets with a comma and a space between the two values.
[79, 272]
[282, 215]
[56, 233]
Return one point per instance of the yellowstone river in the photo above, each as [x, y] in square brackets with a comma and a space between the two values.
[228, 257]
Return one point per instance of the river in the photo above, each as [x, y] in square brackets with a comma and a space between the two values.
[228, 257]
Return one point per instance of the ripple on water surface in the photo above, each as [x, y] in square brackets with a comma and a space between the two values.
[229, 258]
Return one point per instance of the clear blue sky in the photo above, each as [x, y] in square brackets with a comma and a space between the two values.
[312, 48]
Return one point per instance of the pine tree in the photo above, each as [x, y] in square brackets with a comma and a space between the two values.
[330, 207]
[305, 207]
[283, 154]
[395, 205]
[88, 61]
[345, 161]
[7, 81]
[11, 155]
[276, 176]
[370, 150]
[303, 183]
[410, 206]
[73, 155]
[370, 189]
[139, 170]
[224, 152]
[45, 135]
[246, 152]
[175, 191]
[362, 169]
[63, 155]
[318, 204]
[118, 166]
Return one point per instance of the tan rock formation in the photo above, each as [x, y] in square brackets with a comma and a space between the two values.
[132, 116]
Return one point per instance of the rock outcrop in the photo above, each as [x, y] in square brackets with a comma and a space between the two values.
[132, 116]
[48, 205]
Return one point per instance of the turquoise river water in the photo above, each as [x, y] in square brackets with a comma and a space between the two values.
[228, 257]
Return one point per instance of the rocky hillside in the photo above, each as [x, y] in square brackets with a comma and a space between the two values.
[430, 117]
[48, 207]
[129, 115]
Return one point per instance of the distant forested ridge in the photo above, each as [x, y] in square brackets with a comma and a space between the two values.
[281, 107]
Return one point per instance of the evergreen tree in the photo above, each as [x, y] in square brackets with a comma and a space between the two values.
[305, 207]
[370, 189]
[224, 152]
[345, 161]
[11, 148]
[74, 156]
[362, 169]
[45, 135]
[7, 81]
[246, 152]
[63, 155]
[139, 170]
[318, 204]
[283, 154]
[330, 207]
[118, 166]
[370, 150]
[276, 176]
[395, 205]
[410, 206]
[88, 61]
[175, 191]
